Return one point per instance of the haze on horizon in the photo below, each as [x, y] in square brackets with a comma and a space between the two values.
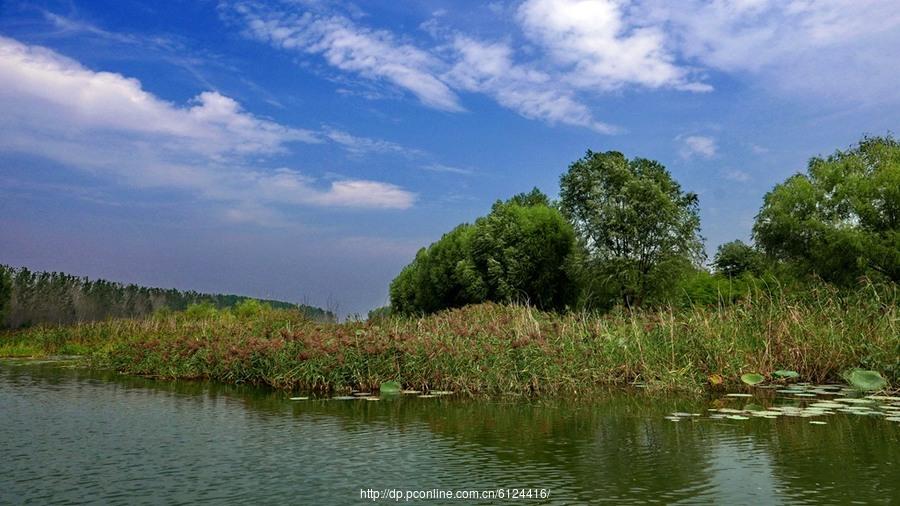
[304, 150]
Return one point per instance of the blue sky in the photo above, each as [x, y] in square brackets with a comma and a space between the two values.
[304, 150]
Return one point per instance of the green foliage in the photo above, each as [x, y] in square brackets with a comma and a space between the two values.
[250, 308]
[701, 288]
[439, 276]
[840, 220]
[55, 297]
[496, 349]
[201, 311]
[736, 258]
[5, 291]
[518, 252]
[640, 231]
[380, 313]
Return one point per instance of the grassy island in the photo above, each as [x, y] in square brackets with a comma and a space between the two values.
[498, 349]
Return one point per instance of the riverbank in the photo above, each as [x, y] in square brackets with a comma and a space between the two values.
[495, 349]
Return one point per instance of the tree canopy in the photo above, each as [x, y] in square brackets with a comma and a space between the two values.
[840, 220]
[518, 252]
[5, 293]
[736, 258]
[638, 228]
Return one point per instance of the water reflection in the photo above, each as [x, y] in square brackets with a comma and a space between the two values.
[69, 434]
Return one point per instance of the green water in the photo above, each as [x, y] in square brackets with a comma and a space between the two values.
[70, 436]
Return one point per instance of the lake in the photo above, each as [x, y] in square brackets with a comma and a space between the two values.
[71, 435]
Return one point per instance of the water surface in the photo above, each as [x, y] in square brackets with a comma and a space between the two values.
[70, 435]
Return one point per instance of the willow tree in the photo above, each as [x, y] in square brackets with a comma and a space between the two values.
[517, 253]
[841, 219]
[639, 230]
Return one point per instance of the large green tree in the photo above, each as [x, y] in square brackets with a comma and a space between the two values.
[517, 253]
[840, 220]
[520, 252]
[639, 229]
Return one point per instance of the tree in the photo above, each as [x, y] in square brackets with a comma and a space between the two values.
[736, 258]
[5, 291]
[439, 277]
[515, 253]
[640, 231]
[840, 220]
[520, 250]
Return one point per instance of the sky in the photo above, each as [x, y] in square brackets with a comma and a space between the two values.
[304, 150]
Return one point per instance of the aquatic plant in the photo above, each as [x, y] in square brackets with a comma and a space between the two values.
[494, 349]
[865, 380]
[752, 378]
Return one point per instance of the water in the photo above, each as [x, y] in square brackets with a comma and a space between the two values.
[69, 435]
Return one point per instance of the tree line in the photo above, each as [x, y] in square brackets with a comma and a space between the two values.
[28, 297]
[624, 233]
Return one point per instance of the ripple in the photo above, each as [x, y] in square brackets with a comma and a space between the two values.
[75, 436]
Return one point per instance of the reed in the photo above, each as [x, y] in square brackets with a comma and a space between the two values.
[499, 349]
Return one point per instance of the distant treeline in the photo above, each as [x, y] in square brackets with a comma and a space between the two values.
[28, 298]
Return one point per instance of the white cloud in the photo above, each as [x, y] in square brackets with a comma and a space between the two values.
[698, 145]
[360, 145]
[489, 68]
[603, 46]
[106, 124]
[758, 150]
[439, 167]
[375, 54]
[837, 49]
[736, 175]
[289, 186]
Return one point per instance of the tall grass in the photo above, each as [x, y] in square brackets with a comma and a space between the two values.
[495, 349]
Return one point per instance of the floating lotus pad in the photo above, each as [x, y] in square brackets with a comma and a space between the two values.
[786, 374]
[854, 400]
[827, 405]
[299, 398]
[865, 380]
[345, 398]
[850, 403]
[410, 391]
[753, 378]
[883, 398]
[390, 387]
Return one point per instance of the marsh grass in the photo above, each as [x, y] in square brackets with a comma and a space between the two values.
[497, 349]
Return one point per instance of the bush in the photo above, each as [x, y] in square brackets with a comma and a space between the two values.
[250, 308]
[201, 311]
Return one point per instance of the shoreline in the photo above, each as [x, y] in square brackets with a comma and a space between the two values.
[491, 349]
